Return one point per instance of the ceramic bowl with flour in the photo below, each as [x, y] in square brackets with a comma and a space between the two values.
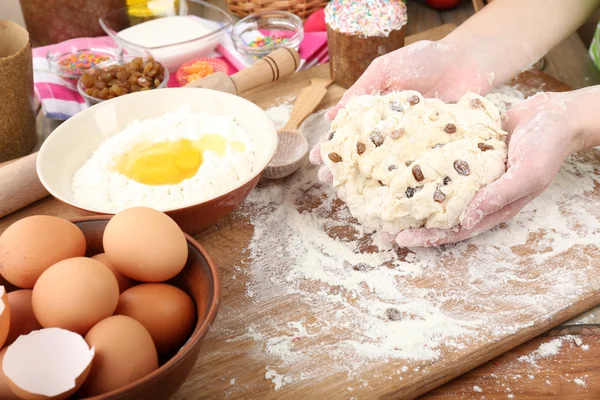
[194, 154]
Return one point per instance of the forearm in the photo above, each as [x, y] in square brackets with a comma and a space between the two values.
[509, 35]
[584, 111]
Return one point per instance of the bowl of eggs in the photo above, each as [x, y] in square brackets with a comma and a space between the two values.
[101, 307]
[194, 154]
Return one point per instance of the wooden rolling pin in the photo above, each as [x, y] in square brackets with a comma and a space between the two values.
[282, 62]
[19, 183]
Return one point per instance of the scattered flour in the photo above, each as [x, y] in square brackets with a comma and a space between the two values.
[505, 97]
[371, 307]
[580, 381]
[477, 389]
[545, 350]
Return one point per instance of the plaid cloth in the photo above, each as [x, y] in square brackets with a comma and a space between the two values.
[60, 101]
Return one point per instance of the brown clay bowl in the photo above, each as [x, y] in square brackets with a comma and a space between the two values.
[200, 280]
[74, 141]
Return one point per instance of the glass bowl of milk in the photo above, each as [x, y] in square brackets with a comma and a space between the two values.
[171, 31]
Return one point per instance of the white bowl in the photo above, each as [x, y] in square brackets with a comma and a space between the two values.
[74, 141]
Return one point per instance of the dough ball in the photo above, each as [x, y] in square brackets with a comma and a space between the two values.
[401, 161]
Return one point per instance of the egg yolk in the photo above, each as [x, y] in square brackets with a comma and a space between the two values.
[171, 162]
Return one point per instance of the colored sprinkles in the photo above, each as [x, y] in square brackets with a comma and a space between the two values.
[366, 17]
[267, 41]
[77, 63]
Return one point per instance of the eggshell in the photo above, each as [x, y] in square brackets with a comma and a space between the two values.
[166, 311]
[124, 353]
[5, 392]
[75, 294]
[4, 316]
[47, 364]
[123, 281]
[145, 244]
[31, 245]
[22, 319]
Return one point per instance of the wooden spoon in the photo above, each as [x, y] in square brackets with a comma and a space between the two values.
[292, 145]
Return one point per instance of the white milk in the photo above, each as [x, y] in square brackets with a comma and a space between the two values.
[169, 31]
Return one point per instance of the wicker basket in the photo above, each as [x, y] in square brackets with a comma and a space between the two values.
[302, 8]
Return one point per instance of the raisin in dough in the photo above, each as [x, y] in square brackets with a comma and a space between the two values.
[401, 161]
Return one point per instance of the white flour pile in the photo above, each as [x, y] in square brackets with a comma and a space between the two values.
[353, 309]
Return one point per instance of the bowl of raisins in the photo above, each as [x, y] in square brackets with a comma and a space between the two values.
[113, 79]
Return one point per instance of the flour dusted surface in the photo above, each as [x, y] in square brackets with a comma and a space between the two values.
[96, 185]
[368, 317]
[402, 161]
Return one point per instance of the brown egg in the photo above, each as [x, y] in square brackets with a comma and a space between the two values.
[75, 294]
[4, 316]
[123, 281]
[124, 353]
[31, 245]
[166, 311]
[5, 392]
[22, 320]
[145, 244]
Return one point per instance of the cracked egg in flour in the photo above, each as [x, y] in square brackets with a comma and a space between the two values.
[171, 161]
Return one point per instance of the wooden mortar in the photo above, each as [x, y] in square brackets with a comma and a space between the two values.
[17, 128]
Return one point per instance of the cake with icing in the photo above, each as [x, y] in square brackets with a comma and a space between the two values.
[358, 31]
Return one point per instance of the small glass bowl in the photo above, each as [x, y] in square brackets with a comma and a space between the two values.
[261, 33]
[59, 55]
[90, 100]
[214, 20]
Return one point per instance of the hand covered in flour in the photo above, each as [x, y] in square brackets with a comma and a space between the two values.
[435, 69]
[543, 131]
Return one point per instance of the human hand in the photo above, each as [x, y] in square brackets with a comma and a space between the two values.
[542, 134]
[435, 69]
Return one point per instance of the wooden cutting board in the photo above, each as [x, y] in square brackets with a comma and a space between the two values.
[237, 362]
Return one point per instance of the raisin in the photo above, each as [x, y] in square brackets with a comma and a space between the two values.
[447, 180]
[331, 134]
[485, 147]
[393, 314]
[335, 157]
[361, 267]
[381, 183]
[377, 138]
[437, 146]
[417, 173]
[438, 195]
[391, 167]
[462, 167]
[414, 99]
[396, 133]
[450, 128]
[410, 192]
[360, 148]
[396, 106]
[476, 103]
[408, 163]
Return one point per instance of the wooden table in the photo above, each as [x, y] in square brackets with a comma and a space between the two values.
[506, 377]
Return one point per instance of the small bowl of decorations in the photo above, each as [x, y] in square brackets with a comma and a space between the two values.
[72, 58]
[113, 79]
[199, 68]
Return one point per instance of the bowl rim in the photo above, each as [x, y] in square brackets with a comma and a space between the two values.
[113, 34]
[236, 37]
[200, 329]
[124, 59]
[54, 57]
[259, 170]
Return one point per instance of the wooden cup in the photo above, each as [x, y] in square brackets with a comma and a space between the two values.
[17, 119]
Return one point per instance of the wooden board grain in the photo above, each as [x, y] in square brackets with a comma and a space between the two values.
[234, 368]
[225, 358]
